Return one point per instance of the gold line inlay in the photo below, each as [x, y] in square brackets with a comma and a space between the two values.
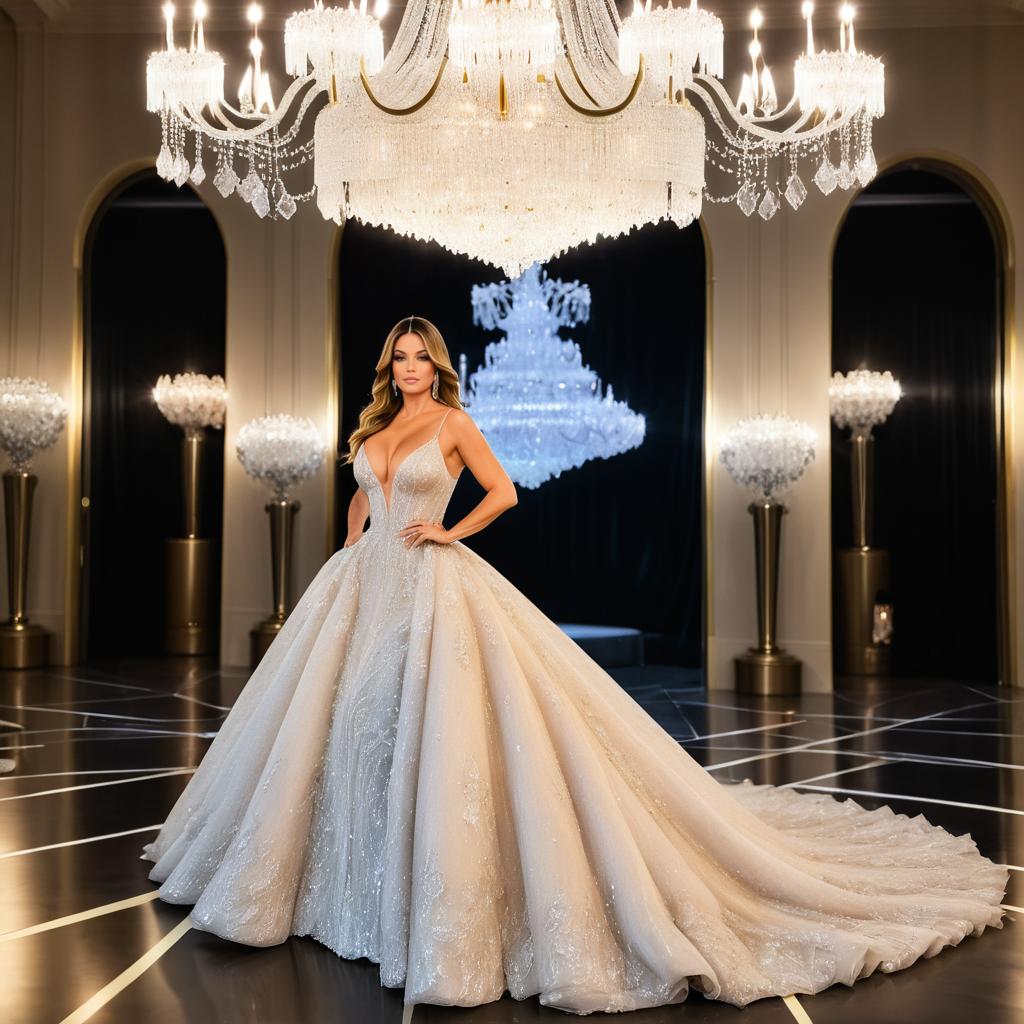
[798, 1012]
[84, 915]
[126, 977]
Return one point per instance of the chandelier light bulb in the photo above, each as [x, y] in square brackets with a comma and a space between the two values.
[380, 8]
[254, 14]
[756, 19]
[168, 10]
[256, 48]
[807, 10]
[199, 11]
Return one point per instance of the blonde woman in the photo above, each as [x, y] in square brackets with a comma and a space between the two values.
[426, 771]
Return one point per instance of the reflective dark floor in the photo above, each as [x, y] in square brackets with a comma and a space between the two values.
[92, 759]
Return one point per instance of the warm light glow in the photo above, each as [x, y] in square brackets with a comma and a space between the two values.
[168, 10]
[498, 164]
[807, 8]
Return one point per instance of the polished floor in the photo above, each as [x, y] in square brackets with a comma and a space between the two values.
[92, 759]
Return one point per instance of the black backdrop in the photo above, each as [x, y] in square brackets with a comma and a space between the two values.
[916, 291]
[154, 303]
[618, 541]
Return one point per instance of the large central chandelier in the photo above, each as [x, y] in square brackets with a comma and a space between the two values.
[512, 130]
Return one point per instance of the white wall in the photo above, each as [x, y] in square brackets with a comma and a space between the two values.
[74, 103]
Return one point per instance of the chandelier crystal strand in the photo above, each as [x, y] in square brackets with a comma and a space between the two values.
[512, 131]
[539, 405]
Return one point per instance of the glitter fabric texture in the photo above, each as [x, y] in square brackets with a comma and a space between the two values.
[426, 771]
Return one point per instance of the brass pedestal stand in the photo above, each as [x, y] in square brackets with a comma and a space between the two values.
[282, 513]
[862, 574]
[22, 645]
[191, 565]
[767, 670]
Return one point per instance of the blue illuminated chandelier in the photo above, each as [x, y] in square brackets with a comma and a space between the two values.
[539, 406]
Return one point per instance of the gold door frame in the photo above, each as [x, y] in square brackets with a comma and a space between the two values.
[977, 185]
[105, 192]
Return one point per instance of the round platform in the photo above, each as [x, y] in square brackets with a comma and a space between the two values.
[609, 646]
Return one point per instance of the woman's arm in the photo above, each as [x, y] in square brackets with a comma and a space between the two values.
[489, 473]
[358, 511]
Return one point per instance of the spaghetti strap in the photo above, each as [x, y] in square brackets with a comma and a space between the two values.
[441, 424]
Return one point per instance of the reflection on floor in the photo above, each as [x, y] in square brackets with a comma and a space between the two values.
[91, 760]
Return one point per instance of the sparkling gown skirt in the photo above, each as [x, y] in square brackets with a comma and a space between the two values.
[426, 771]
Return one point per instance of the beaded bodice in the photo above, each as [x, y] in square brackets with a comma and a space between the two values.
[421, 486]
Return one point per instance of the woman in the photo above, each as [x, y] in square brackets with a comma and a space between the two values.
[426, 771]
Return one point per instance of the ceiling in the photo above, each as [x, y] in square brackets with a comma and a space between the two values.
[228, 15]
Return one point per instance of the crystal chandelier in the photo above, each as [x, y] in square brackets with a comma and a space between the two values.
[511, 130]
[538, 404]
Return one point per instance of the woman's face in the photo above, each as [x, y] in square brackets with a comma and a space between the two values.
[411, 366]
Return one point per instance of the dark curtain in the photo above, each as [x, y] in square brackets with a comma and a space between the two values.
[916, 291]
[154, 303]
[618, 541]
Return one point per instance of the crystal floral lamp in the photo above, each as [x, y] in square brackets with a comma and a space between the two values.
[280, 451]
[32, 415]
[194, 402]
[767, 455]
[860, 401]
[539, 405]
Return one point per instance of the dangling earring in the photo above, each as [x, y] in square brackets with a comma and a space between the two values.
[394, 386]
[433, 388]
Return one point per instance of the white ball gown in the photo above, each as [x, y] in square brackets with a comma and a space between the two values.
[426, 771]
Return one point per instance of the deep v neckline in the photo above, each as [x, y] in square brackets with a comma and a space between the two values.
[394, 475]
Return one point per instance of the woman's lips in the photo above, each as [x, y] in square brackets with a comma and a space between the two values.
[410, 380]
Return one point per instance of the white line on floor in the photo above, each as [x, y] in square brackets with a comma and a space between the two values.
[841, 771]
[84, 915]
[760, 728]
[78, 842]
[96, 771]
[97, 785]
[836, 739]
[92, 714]
[798, 1012]
[913, 799]
[126, 977]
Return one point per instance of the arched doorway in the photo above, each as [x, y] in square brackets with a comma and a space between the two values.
[153, 302]
[918, 285]
[618, 541]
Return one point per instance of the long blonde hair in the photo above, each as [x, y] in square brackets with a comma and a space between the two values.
[384, 403]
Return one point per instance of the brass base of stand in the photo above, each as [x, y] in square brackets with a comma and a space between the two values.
[768, 675]
[24, 646]
[862, 575]
[261, 637]
[191, 617]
